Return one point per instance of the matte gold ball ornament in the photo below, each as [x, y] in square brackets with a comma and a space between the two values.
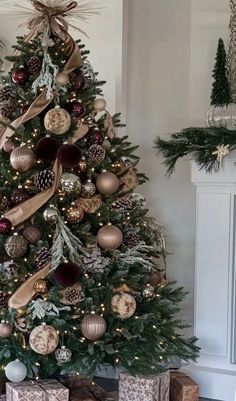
[57, 120]
[43, 339]
[109, 237]
[107, 183]
[41, 287]
[93, 326]
[124, 305]
[75, 215]
[16, 246]
[5, 329]
[22, 159]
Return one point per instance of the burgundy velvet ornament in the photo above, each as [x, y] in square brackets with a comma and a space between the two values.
[97, 137]
[78, 109]
[47, 148]
[5, 226]
[20, 76]
[67, 274]
[19, 195]
[69, 156]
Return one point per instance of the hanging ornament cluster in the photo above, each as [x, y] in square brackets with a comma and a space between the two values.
[93, 326]
[70, 183]
[67, 274]
[70, 295]
[16, 246]
[109, 237]
[63, 355]
[57, 120]
[44, 179]
[5, 226]
[43, 339]
[96, 153]
[75, 215]
[47, 148]
[22, 159]
[107, 183]
[20, 76]
[5, 329]
[124, 305]
[16, 371]
[42, 258]
[19, 195]
[32, 234]
[69, 155]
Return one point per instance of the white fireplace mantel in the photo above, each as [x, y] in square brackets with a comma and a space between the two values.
[215, 281]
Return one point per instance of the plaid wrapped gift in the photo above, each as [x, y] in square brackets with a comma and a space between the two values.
[183, 388]
[43, 390]
[141, 388]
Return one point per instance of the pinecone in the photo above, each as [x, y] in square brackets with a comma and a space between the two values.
[42, 258]
[35, 65]
[94, 262]
[131, 238]
[4, 299]
[44, 179]
[6, 93]
[7, 110]
[123, 204]
[96, 153]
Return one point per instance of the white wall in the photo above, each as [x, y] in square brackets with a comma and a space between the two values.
[158, 103]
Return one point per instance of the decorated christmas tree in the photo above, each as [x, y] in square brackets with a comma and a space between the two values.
[82, 271]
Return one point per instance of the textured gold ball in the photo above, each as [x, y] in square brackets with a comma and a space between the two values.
[62, 79]
[21, 312]
[100, 105]
[107, 183]
[51, 215]
[43, 339]
[93, 327]
[32, 234]
[41, 287]
[124, 305]
[16, 246]
[57, 121]
[109, 237]
[22, 159]
[75, 215]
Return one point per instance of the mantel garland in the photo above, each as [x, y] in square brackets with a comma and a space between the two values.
[206, 146]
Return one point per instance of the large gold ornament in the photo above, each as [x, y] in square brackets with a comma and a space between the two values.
[16, 246]
[22, 159]
[43, 339]
[75, 214]
[107, 183]
[93, 326]
[109, 237]
[57, 121]
[124, 305]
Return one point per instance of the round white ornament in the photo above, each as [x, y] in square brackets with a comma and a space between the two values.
[43, 339]
[124, 305]
[16, 371]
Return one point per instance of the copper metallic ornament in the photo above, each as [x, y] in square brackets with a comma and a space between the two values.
[22, 159]
[41, 287]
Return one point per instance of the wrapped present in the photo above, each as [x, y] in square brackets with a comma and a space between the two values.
[82, 389]
[43, 390]
[183, 388]
[141, 388]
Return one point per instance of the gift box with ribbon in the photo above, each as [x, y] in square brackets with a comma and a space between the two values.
[43, 390]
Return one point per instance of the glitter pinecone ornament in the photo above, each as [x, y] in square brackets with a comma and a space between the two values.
[35, 65]
[42, 258]
[123, 205]
[44, 179]
[96, 153]
[6, 93]
[94, 262]
[4, 299]
[131, 238]
[7, 110]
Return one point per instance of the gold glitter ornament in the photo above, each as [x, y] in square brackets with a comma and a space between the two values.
[75, 214]
[57, 120]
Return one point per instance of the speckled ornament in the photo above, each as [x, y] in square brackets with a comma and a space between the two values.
[75, 215]
[70, 183]
[43, 339]
[16, 246]
[88, 189]
[124, 305]
[93, 327]
[22, 159]
[109, 237]
[57, 121]
[5, 226]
